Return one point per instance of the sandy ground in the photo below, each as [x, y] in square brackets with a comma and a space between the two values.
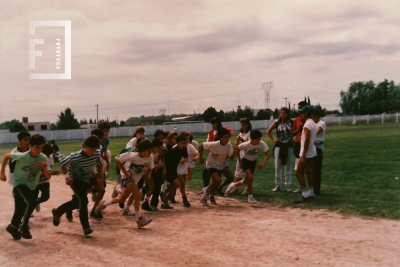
[229, 234]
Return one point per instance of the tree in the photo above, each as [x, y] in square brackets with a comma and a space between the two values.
[244, 113]
[82, 122]
[263, 115]
[67, 120]
[122, 124]
[90, 121]
[276, 113]
[13, 126]
[210, 113]
[368, 98]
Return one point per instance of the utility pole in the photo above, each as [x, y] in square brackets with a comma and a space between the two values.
[97, 106]
[285, 101]
[266, 87]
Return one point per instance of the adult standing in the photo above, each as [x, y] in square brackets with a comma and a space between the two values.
[319, 145]
[283, 149]
[307, 153]
[296, 131]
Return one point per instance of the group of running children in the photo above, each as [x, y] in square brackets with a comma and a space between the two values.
[148, 170]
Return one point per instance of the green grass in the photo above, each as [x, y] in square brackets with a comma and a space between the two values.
[359, 170]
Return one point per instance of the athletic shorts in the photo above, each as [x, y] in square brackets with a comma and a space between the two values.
[212, 170]
[127, 181]
[296, 150]
[192, 164]
[171, 176]
[249, 165]
[182, 169]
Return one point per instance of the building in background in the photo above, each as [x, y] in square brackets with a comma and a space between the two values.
[35, 126]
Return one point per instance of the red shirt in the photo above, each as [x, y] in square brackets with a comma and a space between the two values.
[296, 123]
[211, 136]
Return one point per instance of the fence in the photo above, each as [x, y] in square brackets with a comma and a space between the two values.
[80, 134]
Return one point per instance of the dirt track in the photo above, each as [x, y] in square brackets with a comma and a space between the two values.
[229, 234]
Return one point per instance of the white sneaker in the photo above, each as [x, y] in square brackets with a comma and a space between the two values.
[206, 193]
[37, 208]
[251, 200]
[115, 192]
[142, 222]
[127, 212]
[288, 188]
[245, 192]
[230, 189]
[204, 202]
[235, 190]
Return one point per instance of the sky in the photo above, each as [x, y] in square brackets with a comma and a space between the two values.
[134, 58]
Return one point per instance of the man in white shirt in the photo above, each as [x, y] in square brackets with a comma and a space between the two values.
[319, 145]
[307, 153]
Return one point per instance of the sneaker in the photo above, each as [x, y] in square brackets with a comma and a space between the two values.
[163, 196]
[235, 190]
[94, 196]
[288, 188]
[251, 200]
[186, 203]
[37, 208]
[56, 219]
[276, 189]
[298, 190]
[230, 189]
[69, 216]
[24, 232]
[153, 208]
[96, 215]
[146, 206]
[115, 191]
[301, 200]
[212, 200]
[127, 212]
[206, 193]
[87, 231]
[204, 202]
[166, 206]
[142, 222]
[173, 201]
[245, 192]
[106, 174]
[14, 232]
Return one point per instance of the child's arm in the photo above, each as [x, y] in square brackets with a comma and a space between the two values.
[261, 165]
[68, 180]
[46, 172]
[270, 129]
[122, 168]
[201, 149]
[6, 158]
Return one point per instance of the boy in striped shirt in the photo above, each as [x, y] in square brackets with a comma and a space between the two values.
[77, 176]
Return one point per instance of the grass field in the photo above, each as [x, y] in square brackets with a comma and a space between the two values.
[360, 167]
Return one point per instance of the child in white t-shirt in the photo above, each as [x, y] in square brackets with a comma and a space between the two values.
[248, 162]
[133, 166]
[139, 133]
[191, 161]
[219, 151]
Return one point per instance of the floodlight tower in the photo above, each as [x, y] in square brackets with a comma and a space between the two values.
[267, 92]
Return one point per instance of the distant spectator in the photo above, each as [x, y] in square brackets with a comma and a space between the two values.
[319, 145]
[56, 150]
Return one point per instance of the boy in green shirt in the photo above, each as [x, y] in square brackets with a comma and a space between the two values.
[26, 178]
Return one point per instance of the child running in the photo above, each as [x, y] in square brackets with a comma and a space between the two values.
[248, 163]
[44, 183]
[77, 176]
[139, 133]
[23, 140]
[219, 152]
[133, 166]
[26, 178]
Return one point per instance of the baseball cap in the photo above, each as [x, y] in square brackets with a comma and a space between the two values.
[229, 129]
[306, 108]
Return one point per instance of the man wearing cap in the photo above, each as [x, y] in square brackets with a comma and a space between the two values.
[296, 131]
[307, 153]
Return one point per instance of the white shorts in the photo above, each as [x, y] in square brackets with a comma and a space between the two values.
[182, 169]
[239, 171]
[192, 164]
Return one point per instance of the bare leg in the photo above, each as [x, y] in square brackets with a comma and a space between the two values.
[182, 181]
[229, 178]
[172, 188]
[300, 173]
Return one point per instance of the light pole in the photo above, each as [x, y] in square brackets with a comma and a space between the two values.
[97, 106]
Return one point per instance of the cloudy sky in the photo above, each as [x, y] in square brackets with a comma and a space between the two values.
[133, 58]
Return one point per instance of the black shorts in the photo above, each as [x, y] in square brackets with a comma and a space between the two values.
[249, 165]
[126, 181]
[296, 150]
[212, 170]
[171, 176]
